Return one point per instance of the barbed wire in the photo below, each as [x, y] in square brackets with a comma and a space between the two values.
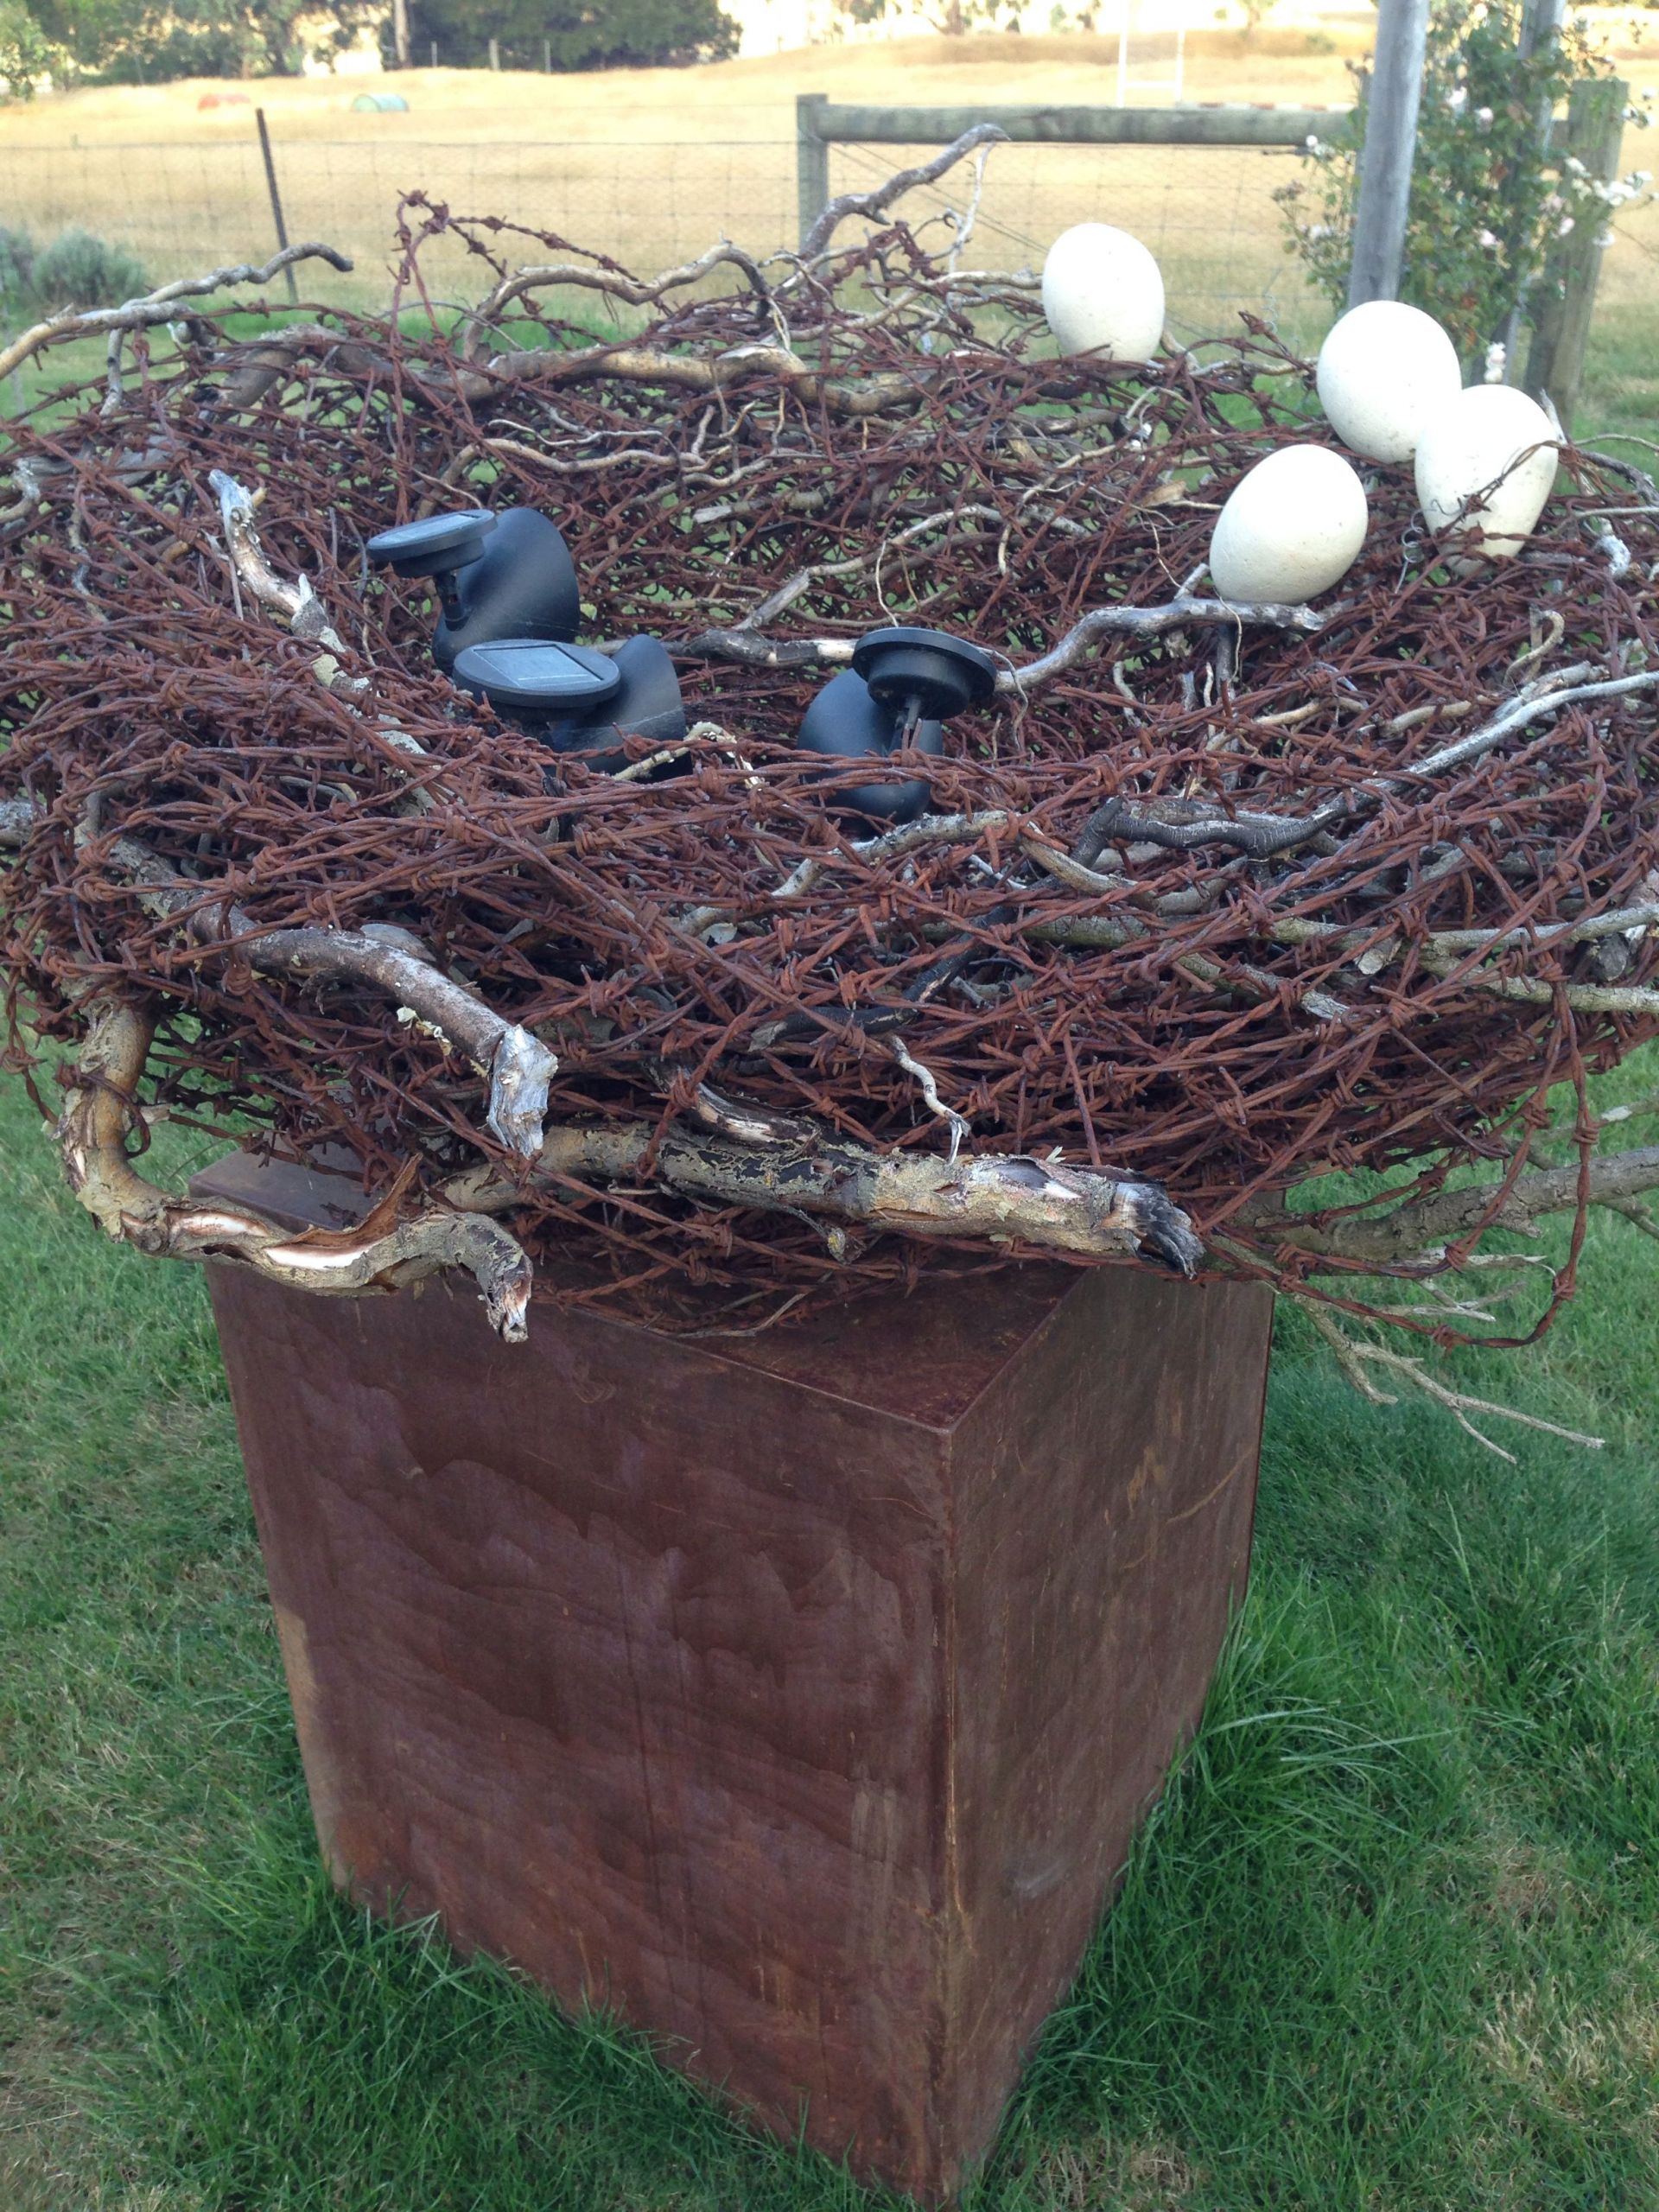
[1221, 899]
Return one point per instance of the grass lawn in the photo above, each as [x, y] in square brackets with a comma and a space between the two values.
[1392, 1941]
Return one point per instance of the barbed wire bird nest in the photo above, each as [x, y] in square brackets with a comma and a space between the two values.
[1209, 901]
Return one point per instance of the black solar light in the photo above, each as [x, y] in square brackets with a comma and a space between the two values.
[498, 577]
[575, 700]
[903, 687]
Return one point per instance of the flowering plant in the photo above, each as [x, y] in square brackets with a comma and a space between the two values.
[1488, 198]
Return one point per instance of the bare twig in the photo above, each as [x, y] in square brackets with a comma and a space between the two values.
[517, 1066]
[159, 305]
[1354, 1356]
[877, 202]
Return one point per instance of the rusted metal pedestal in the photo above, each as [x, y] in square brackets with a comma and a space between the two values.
[797, 1694]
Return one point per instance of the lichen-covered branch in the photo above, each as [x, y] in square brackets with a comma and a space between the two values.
[1423, 1228]
[99, 1114]
[1002, 1198]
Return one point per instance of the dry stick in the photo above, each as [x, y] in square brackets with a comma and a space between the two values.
[91, 1135]
[517, 1066]
[998, 1197]
[616, 283]
[744, 648]
[1421, 1229]
[1353, 1356]
[159, 305]
[877, 202]
[1264, 836]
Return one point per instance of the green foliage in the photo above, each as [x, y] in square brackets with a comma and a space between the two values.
[571, 33]
[77, 269]
[152, 41]
[1388, 1942]
[956, 17]
[1487, 200]
[27, 54]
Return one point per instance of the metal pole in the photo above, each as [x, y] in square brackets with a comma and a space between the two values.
[276, 201]
[434, 44]
[495, 53]
[812, 161]
[1385, 159]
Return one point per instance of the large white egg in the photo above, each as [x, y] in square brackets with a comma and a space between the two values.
[1470, 444]
[1291, 529]
[1102, 293]
[1383, 370]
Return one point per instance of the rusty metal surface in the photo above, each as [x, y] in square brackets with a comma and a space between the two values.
[799, 1694]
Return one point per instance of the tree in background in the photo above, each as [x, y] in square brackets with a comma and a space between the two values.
[26, 52]
[148, 41]
[953, 17]
[571, 33]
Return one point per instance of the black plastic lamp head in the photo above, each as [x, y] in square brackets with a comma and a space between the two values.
[931, 674]
[435, 547]
[903, 687]
[498, 577]
[574, 699]
[537, 680]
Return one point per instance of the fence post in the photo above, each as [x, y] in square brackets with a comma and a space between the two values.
[276, 201]
[1566, 295]
[812, 161]
[1385, 158]
[495, 53]
[1541, 25]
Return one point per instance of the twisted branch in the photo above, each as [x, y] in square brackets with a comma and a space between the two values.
[101, 1107]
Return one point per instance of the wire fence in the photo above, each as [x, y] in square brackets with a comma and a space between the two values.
[1208, 212]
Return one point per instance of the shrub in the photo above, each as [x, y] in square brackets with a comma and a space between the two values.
[17, 267]
[77, 269]
[1486, 199]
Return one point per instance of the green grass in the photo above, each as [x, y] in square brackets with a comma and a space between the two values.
[1390, 1942]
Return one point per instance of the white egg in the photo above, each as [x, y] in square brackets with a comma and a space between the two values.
[1383, 370]
[1291, 529]
[1102, 293]
[1468, 446]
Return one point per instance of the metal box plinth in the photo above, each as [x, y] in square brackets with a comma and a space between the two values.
[797, 1695]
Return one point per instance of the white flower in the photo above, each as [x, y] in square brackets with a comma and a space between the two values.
[1604, 241]
[1496, 356]
[1482, 116]
[1486, 238]
[1574, 167]
[1458, 100]
[1563, 226]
